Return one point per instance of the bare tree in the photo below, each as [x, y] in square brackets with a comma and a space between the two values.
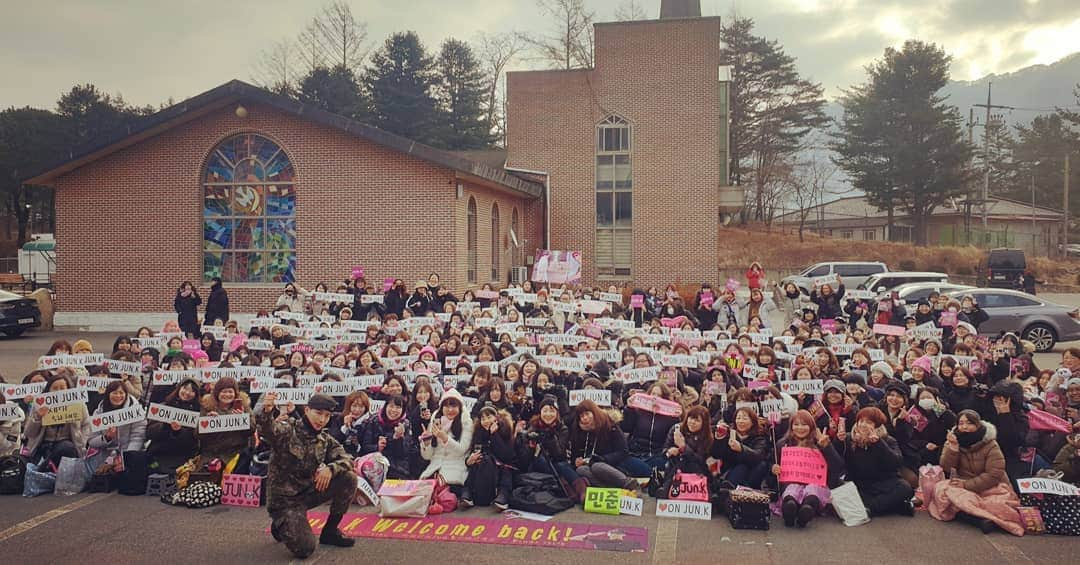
[340, 36]
[569, 42]
[275, 68]
[805, 185]
[630, 10]
[496, 53]
[308, 49]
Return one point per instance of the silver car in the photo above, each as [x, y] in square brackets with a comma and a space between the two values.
[1041, 322]
[852, 273]
[913, 293]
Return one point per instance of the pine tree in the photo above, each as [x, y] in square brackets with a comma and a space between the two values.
[461, 92]
[400, 82]
[334, 90]
[898, 141]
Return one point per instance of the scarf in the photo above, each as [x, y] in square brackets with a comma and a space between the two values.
[968, 439]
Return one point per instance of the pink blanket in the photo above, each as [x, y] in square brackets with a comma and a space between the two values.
[998, 504]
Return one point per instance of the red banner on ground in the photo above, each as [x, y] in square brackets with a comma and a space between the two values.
[449, 528]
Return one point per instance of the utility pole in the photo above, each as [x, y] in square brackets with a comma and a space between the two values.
[986, 153]
[1065, 244]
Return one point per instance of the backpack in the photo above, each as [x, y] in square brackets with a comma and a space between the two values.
[540, 493]
[12, 474]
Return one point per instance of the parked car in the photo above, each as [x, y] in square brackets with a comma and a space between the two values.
[17, 313]
[913, 293]
[1039, 321]
[885, 282]
[1004, 267]
[852, 273]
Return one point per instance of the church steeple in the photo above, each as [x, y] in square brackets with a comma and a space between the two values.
[680, 9]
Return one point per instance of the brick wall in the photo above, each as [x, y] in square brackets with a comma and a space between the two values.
[662, 77]
[129, 226]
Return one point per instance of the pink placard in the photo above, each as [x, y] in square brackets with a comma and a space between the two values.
[732, 285]
[917, 419]
[758, 384]
[191, 345]
[947, 319]
[241, 490]
[487, 294]
[803, 465]
[637, 301]
[357, 272]
[886, 329]
[654, 404]
[828, 325]
[387, 284]
[707, 300]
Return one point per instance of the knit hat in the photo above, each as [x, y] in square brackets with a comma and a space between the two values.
[548, 400]
[884, 368]
[1075, 381]
[855, 378]
[899, 387]
[592, 382]
[836, 384]
[451, 394]
[923, 363]
[428, 349]
[319, 401]
[82, 346]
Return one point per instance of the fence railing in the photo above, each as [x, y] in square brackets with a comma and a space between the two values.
[9, 264]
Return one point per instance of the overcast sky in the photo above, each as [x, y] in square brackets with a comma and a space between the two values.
[151, 50]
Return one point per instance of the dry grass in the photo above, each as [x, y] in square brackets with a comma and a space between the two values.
[779, 251]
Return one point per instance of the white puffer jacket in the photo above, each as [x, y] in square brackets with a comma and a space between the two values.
[449, 458]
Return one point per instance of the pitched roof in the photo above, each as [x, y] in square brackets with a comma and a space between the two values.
[857, 207]
[236, 90]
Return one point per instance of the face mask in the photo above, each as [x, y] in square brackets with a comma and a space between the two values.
[927, 404]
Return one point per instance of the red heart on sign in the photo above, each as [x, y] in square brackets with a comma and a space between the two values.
[97, 422]
[1025, 484]
[40, 400]
[663, 507]
[159, 378]
[82, 382]
[204, 424]
[10, 392]
[154, 410]
[104, 364]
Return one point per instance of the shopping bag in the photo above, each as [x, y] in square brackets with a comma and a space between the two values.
[405, 499]
[71, 476]
[929, 477]
[849, 505]
[37, 482]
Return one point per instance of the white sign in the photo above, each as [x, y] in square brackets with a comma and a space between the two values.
[371, 299]
[560, 363]
[560, 339]
[684, 509]
[79, 360]
[122, 367]
[808, 386]
[641, 375]
[218, 332]
[467, 403]
[149, 342]
[631, 505]
[366, 381]
[259, 345]
[123, 417]
[10, 411]
[293, 316]
[609, 355]
[95, 383]
[365, 487]
[251, 372]
[830, 280]
[341, 297]
[265, 384]
[224, 423]
[168, 414]
[298, 396]
[1048, 486]
[60, 398]
[601, 397]
[336, 388]
[174, 377]
[688, 361]
[612, 297]
[13, 391]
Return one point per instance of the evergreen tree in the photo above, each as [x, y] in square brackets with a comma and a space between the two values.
[898, 141]
[334, 90]
[30, 139]
[461, 92]
[772, 109]
[400, 82]
[1037, 156]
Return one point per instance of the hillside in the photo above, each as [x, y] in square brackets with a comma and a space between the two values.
[782, 253]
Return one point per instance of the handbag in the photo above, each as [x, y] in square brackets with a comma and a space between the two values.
[405, 499]
[748, 509]
[37, 482]
[849, 505]
[1060, 514]
[929, 477]
[443, 500]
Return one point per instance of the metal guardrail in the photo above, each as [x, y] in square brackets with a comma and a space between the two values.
[9, 264]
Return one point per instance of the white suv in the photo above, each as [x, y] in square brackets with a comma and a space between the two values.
[853, 274]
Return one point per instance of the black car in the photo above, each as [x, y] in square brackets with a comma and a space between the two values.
[17, 313]
[1004, 267]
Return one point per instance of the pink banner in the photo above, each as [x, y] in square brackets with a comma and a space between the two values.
[387, 284]
[886, 329]
[803, 465]
[241, 490]
[828, 325]
[655, 404]
[450, 528]
[947, 319]
[1040, 420]
[557, 267]
[637, 301]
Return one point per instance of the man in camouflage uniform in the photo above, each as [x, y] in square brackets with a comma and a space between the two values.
[307, 468]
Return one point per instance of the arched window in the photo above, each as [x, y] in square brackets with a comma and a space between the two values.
[249, 212]
[471, 244]
[614, 198]
[495, 236]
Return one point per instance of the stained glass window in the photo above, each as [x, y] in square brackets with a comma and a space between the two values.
[249, 212]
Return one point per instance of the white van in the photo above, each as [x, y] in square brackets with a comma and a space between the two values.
[852, 273]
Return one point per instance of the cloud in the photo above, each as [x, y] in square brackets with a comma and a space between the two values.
[153, 50]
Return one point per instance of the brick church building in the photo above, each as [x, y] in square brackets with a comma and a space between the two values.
[625, 162]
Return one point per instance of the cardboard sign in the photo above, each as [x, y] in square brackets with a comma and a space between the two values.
[190, 346]
[828, 325]
[158, 343]
[601, 397]
[707, 300]
[688, 361]
[564, 364]
[803, 465]
[10, 411]
[260, 385]
[60, 398]
[809, 386]
[224, 423]
[241, 490]
[344, 388]
[608, 355]
[259, 345]
[262, 322]
[80, 360]
[642, 375]
[338, 297]
[95, 383]
[1048, 486]
[691, 509]
[17, 392]
[948, 319]
[219, 332]
[168, 414]
[603, 500]
[487, 294]
[560, 339]
[613, 297]
[637, 301]
[886, 329]
[594, 306]
[122, 417]
[631, 505]
[372, 299]
[366, 381]
[69, 414]
[831, 280]
[654, 404]
[164, 378]
[298, 396]
[859, 294]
